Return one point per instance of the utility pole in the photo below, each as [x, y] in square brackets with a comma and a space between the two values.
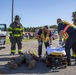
[12, 10]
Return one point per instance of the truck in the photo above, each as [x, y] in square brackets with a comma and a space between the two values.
[3, 34]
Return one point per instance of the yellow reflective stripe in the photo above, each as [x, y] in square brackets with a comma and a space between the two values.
[74, 55]
[22, 33]
[17, 34]
[68, 23]
[10, 32]
[65, 35]
[42, 35]
[64, 38]
[12, 50]
[44, 39]
[17, 29]
[20, 50]
[22, 28]
[10, 28]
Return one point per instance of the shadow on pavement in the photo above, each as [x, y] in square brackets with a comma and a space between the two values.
[7, 54]
[7, 57]
[40, 68]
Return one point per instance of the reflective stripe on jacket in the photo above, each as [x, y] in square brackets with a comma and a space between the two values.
[68, 24]
[42, 36]
[16, 29]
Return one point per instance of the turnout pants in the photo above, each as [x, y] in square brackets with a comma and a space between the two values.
[69, 43]
[13, 41]
[74, 51]
[27, 59]
[40, 47]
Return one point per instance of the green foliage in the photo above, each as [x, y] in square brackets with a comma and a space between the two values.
[23, 40]
[53, 26]
[33, 29]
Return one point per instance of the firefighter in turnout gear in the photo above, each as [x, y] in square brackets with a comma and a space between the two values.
[67, 31]
[74, 45]
[44, 36]
[29, 58]
[16, 32]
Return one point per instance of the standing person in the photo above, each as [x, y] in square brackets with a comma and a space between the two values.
[16, 32]
[74, 45]
[44, 36]
[68, 31]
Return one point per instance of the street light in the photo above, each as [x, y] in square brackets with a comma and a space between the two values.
[12, 10]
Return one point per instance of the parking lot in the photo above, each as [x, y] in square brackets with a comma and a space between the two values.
[39, 69]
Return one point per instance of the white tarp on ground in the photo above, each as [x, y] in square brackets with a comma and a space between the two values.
[56, 50]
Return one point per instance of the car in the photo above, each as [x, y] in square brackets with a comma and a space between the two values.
[54, 35]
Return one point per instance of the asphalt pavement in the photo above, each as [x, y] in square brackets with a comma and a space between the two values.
[39, 69]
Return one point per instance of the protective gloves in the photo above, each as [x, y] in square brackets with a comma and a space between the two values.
[60, 43]
[50, 45]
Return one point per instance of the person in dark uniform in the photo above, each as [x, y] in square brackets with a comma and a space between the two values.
[74, 45]
[44, 36]
[67, 31]
[16, 32]
[29, 58]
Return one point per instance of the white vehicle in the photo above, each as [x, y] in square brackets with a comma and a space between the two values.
[2, 35]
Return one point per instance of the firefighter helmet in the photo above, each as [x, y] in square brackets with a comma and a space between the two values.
[74, 14]
[17, 17]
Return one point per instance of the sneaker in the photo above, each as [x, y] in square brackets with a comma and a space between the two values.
[12, 65]
[32, 64]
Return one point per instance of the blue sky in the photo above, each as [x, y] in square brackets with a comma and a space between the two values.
[35, 13]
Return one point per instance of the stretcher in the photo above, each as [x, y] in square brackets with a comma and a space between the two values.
[56, 57]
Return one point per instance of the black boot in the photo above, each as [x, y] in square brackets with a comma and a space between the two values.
[69, 62]
[75, 62]
[39, 56]
[12, 53]
[21, 53]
